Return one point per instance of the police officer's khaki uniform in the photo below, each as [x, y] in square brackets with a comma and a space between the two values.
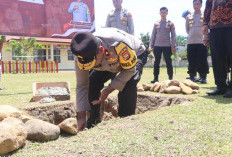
[121, 19]
[196, 51]
[119, 62]
[162, 43]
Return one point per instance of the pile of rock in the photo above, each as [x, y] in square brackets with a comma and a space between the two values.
[172, 87]
[17, 126]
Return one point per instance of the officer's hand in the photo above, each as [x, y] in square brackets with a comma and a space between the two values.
[76, 6]
[81, 120]
[104, 94]
[205, 30]
[150, 49]
[173, 50]
[206, 43]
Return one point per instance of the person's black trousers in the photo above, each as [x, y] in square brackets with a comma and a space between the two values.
[126, 98]
[197, 57]
[167, 51]
[221, 51]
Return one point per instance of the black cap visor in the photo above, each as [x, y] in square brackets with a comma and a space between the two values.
[85, 63]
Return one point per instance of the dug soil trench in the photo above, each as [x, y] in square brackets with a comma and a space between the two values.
[56, 113]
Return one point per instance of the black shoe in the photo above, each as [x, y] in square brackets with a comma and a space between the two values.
[194, 79]
[93, 122]
[228, 94]
[198, 79]
[202, 80]
[217, 92]
[154, 81]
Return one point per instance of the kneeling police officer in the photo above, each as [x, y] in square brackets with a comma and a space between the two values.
[111, 53]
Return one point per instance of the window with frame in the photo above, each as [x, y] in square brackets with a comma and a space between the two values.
[40, 55]
[57, 55]
[70, 55]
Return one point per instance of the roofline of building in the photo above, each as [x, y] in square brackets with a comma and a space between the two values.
[39, 39]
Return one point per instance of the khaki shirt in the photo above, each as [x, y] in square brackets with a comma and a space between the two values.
[194, 24]
[121, 19]
[161, 34]
[110, 39]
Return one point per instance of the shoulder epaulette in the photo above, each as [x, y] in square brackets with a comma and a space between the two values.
[157, 22]
[124, 11]
[112, 13]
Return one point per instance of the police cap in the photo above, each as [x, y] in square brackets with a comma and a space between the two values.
[85, 46]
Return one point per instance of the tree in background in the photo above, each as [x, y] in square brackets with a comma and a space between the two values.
[181, 40]
[182, 46]
[22, 47]
[145, 39]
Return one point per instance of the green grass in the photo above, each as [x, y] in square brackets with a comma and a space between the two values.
[18, 90]
[202, 128]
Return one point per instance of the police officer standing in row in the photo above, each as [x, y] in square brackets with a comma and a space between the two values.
[197, 52]
[160, 40]
[112, 53]
[120, 18]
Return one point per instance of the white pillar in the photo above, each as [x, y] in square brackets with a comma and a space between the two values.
[52, 52]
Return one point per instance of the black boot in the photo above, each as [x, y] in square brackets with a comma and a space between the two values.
[155, 80]
[193, 78]
[218, 91]
[202, 79]
[229, 90]
[228, 93]
[93, 122]
[94, 118]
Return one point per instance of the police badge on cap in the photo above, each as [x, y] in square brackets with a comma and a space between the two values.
[85, 46]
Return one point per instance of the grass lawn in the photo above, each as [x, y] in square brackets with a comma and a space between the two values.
[203, 128]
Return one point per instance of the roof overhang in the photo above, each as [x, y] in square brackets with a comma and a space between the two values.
[39, 39]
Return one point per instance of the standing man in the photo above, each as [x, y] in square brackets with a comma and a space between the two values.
[80, 11]
[160, 40]
[197, 52]
[218, 18]
[112, 53]
[120, 18]
[1, 88]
